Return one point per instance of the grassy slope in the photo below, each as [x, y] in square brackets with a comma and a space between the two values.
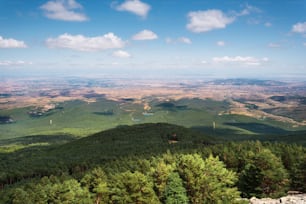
[81, 119]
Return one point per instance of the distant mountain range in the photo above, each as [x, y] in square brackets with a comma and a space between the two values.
[243, 82]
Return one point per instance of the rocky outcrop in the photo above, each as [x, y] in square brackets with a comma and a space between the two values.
[290, 199]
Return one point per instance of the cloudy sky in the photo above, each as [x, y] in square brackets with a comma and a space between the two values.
[220, 38]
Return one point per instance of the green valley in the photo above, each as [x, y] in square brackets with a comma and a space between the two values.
[89, 142]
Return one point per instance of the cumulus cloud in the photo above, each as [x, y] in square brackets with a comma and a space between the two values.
[247, 60]
[207, 20]
[221, 43]
[135, 6]
[145, 35]
[66, 10]
[11, 43]
[14, 63]
[183, 40]
[82, 43]
[121, 54]
[204, 21]
[299, 28]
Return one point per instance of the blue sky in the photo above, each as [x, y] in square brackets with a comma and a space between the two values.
[213, 38]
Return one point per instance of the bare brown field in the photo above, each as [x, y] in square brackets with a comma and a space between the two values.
[249, 100]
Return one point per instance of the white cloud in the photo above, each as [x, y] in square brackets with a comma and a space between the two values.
[121, 54]
[14, 63]
[221, 43]
[145, 35]
[204, 21]
[135, 6]
[184, 40]
[82, 43]
[66, 10]
[299, 28]
[274, 45]
[250, 61]
[304, 44]
[11, 43]
[248, 10]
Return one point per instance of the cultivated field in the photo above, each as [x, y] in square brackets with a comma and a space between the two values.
[82, 106]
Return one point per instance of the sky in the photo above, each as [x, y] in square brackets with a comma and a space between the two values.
[203, 38]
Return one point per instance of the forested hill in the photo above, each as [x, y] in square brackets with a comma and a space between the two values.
[150, 163]
[142, 139]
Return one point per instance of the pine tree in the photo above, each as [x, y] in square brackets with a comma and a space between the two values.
[160, 176]
[175, 193]
[96, 182]
[264, 175]
[20, 197]
[129, 187]
[207, 181]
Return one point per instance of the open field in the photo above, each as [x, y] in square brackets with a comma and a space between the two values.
[80, 106]
[71, 127]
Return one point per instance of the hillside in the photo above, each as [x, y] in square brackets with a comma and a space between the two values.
[149, 138]
[84, 106]
[41, 156]
[48, 171]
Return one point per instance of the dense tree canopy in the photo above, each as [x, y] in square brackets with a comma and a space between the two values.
[89, 171]
[175, 193]
[264, 175]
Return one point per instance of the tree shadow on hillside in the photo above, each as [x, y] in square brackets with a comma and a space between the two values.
[257, 131]
[105, 113]
[219, 133]
[261, 132]
[50, 139]
[258, 128]
[169, 106]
